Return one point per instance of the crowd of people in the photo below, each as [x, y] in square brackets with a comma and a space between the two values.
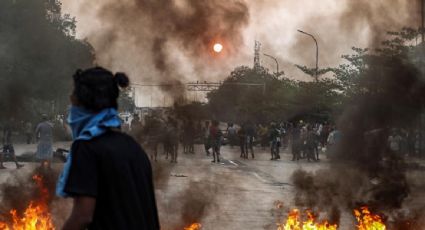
[170, 133]
[302, 139]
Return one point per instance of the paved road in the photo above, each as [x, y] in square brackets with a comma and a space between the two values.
[240, 194]
[234, 194]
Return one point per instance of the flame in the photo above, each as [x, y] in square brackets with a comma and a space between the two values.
[36, 216]
[294, 222]
[368, 221]
[194, 226]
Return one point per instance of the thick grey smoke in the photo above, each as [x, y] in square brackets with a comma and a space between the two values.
[364, 171]
[159, 30]
[158, 41]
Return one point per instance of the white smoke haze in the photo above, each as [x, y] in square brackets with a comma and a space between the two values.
[171, 40]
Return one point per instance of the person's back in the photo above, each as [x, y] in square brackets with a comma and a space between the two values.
[114, 169]
[107, 173]
[44, 130]
[274, 134]
[214, 133]
[231, 130]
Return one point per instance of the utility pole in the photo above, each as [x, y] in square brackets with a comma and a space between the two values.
[421, 117]
[317, 54]
[257, 48]
[422, 20]
[275, 59]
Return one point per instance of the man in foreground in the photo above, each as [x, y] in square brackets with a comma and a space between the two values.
[107, 173]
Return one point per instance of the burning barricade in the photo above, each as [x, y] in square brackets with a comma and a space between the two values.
[308, 220]
[36, 216]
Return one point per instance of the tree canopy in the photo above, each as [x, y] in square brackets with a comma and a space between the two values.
[38, 55]
[238, 100]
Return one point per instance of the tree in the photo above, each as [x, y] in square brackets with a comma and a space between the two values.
[312, 71]
[243, 95]
[38, 55]
[195, 111]
[237, 100]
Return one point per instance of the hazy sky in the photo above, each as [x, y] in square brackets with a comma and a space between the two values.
[172, 42]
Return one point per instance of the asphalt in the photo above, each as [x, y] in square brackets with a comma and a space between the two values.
[233, 194]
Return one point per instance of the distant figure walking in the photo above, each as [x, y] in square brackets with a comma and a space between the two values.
[8, 144]
[250, 138]
[242, 142]
[43, 134]
[215, 139]
[274, 141]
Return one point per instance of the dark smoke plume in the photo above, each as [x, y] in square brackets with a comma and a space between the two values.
[196, 200]
[163, 28]
[364, 171]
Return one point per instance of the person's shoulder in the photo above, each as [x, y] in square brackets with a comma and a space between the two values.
[114, 135]
[108, 138]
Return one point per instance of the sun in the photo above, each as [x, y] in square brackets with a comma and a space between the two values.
[218, 47]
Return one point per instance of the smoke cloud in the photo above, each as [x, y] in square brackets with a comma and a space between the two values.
[391, 100]
[165, 41]
[171, 40]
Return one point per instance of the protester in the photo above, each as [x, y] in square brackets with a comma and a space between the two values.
[334, 137]
[107, 173]
[215, 139]
[8, 144]
[303, 139]
[188, 137]
[250, 138]
[231, 134]
[242, 142]
[44, 137]
[282, 131]
[263, 133]
[311, 144]
[152, 133]
[171, 139]
[296, 142]
[274, 141]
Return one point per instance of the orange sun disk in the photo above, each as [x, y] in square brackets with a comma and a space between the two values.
[217, 47]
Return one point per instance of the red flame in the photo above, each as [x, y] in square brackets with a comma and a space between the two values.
[36, 216]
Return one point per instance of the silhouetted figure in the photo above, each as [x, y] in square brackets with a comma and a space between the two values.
[215, 138]
[108, 174]
[44, 136]
[274, 137]
[8, 144]
[242, 142]
[296, 142]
